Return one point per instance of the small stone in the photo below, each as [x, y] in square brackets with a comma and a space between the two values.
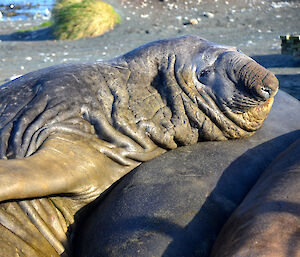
[208, 15]
[250, 42]
[279, 4]
[15, 76]
[193, 21]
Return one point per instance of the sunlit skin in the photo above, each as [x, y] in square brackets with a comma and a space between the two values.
[73, 130]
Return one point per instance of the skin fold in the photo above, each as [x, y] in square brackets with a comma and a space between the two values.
[68, 132]
[267, 222]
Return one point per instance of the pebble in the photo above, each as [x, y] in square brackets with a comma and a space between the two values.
[193, 21]
[48, 59]
[208, 15]
[171, 6]
[279, 4]
[15, 76]
[250, 42]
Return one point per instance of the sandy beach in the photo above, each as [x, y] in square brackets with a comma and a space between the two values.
[252, 26]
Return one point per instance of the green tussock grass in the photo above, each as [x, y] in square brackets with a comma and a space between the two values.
[74, 19]
[43, 25]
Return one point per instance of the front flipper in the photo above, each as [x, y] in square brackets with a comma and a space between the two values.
[67, 164]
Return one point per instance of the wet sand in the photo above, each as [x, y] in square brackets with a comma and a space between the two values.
[250, 25]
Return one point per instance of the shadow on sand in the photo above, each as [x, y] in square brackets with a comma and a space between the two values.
[35, 35]
[277, 61]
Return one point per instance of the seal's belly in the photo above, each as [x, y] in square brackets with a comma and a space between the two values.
[31, 228]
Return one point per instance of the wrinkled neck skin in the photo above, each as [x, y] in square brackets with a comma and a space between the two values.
[207, 91]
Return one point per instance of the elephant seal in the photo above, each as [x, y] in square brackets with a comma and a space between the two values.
[177, 204]
[69, 132]
[267, 223]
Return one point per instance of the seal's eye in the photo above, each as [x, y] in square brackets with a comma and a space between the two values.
[204, 73]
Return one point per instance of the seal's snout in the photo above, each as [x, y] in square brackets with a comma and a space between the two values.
[268, 86]
[262, 83]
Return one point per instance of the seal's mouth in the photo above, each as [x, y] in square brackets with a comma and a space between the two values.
[233, 125]
[253, 118]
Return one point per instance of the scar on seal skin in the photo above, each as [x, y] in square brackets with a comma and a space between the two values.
[68, 132]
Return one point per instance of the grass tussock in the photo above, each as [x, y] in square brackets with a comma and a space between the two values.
[74, 19]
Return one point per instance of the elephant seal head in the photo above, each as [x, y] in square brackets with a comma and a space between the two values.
[230, 88]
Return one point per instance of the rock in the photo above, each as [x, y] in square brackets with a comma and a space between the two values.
[14, 77]
[208, 15]
[279, 4]
[194, 21]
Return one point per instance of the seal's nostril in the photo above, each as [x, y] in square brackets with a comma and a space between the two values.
[267, 88]
[265, 92]
[270, 84]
